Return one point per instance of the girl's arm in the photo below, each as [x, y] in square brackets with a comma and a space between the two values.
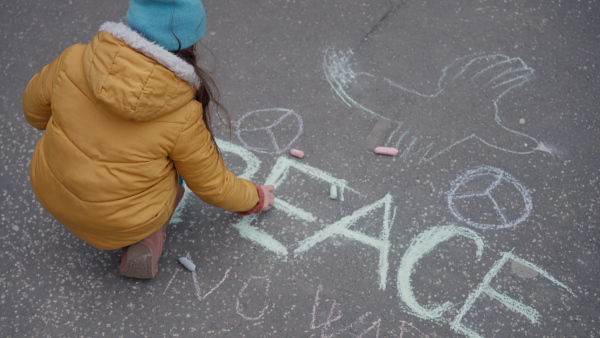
[266, 199]
[36, 99]
[198, 162]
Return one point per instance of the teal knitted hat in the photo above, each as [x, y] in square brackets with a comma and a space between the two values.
[165, 21]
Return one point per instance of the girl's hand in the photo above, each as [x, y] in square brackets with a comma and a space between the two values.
[269, 196]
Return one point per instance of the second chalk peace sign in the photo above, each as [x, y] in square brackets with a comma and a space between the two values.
[489, 198]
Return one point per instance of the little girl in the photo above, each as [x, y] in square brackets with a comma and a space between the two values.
[123, 116]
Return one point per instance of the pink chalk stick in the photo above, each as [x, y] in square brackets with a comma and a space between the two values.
[386, 151]
[297, 153]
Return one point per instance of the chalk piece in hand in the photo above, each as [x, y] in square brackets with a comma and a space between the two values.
[187, 263]
[333, 192]
[386, 151]
[297, 153]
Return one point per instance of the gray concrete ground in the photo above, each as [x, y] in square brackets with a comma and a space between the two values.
[484, 224]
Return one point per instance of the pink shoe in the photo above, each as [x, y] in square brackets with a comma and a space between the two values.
[140, 260]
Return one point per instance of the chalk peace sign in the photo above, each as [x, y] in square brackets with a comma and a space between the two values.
[489, 198]
[270, 131]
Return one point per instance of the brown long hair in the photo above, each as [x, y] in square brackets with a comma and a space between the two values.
[207, 94]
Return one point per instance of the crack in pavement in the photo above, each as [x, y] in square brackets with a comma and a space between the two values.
[391, 11]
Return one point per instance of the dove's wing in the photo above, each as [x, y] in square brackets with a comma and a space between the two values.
[464, 105]
[378, 96]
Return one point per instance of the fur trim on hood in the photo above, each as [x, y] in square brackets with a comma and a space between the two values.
[182, 69]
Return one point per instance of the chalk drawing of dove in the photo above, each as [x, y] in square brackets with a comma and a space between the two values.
[463, 106]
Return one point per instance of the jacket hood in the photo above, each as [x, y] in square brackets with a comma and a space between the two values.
[132, 78]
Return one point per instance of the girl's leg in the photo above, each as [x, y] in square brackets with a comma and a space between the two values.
[140, 260]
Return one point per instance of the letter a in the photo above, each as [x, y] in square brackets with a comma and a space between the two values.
[342, 226]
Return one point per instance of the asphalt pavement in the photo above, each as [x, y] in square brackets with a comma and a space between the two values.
[484, 223]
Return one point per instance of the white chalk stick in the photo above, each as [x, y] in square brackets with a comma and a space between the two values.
[187, 263]
[333, 192]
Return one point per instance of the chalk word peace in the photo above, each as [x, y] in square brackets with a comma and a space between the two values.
[419, 247]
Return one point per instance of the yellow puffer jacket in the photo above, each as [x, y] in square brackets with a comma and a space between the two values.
[121, 121]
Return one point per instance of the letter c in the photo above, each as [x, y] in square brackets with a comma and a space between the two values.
[419, 247]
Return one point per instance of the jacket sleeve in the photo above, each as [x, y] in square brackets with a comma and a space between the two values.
[36, 99]
[198, 162]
